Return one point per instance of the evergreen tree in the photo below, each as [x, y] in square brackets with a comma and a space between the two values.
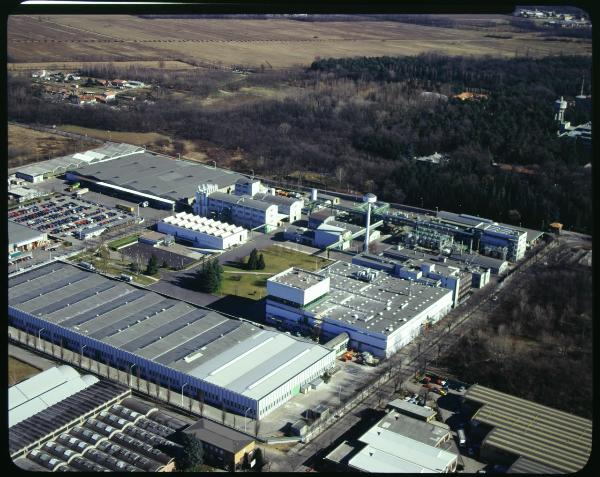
[261, 262]
[210, 276]
[192, 454]
[260, 460]
[165, 264]
[252, 260]
[152, 266]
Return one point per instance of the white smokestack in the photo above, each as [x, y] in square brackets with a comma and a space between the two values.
[369, 199]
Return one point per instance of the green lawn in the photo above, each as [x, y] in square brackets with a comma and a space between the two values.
[115, 244]
[277, 259]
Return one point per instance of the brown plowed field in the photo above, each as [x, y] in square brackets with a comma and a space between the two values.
[280, 43]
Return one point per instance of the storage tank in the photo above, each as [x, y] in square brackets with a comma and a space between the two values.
[313, 194]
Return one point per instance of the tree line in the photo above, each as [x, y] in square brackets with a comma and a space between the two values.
[357, 123]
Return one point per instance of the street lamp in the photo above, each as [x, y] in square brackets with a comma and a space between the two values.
[182, 393]
[245, 421]
[81, 355]
[39, 335]
[130, 374]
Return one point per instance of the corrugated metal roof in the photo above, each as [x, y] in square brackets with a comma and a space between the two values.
[525, 428]
[106, 152]
[47, 390]
[525, 465]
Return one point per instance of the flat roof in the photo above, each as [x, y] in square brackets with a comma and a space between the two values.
[415, 429]
[234, 355]
[109, 151]
[277, 199]
[19, 234]
[344, 452]
[463, 219]
[540, 433]
[380, 306]
[387, 451]
[158, 175]
[244, 200]
[298, 278]
[412, 408]
[219, 436]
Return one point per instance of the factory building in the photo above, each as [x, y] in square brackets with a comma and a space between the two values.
[422, 271]
[98, 429]
[380, 313]
[223, 446]
[397, 444]
[232, 363]
[203, 232]
[164, 182]
[23, 239]
[325, 231]
[479, 266]
[241, 210]
[528, 437]
[40, 171]
[499, 241]
[22, 194]
[287, 206]
[247, 186]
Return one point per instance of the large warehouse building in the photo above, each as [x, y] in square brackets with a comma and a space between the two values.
[233, 363]
[59, 165]
[161, 180]
[379, 312]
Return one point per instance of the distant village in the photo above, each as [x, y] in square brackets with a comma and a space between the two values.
[555, 19]
[78, 90]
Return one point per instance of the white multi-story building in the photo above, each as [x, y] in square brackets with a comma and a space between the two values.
[380, 313]
[202, 231]
[242, 210]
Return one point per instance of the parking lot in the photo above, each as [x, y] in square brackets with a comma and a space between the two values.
[62, 216]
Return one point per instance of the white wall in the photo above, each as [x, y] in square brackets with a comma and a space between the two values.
[201, 239]
[296, 295]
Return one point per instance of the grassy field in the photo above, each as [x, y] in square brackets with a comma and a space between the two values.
[26, 146]
[271, 43]
[18, 371]
[137, 138]
[76, 65]
[254, 285]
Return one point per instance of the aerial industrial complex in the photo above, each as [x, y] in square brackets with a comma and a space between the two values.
[380, 313]
[233, 363]
[383, 275]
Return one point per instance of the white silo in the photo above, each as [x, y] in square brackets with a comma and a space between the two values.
[560, 105]
[369, 199]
